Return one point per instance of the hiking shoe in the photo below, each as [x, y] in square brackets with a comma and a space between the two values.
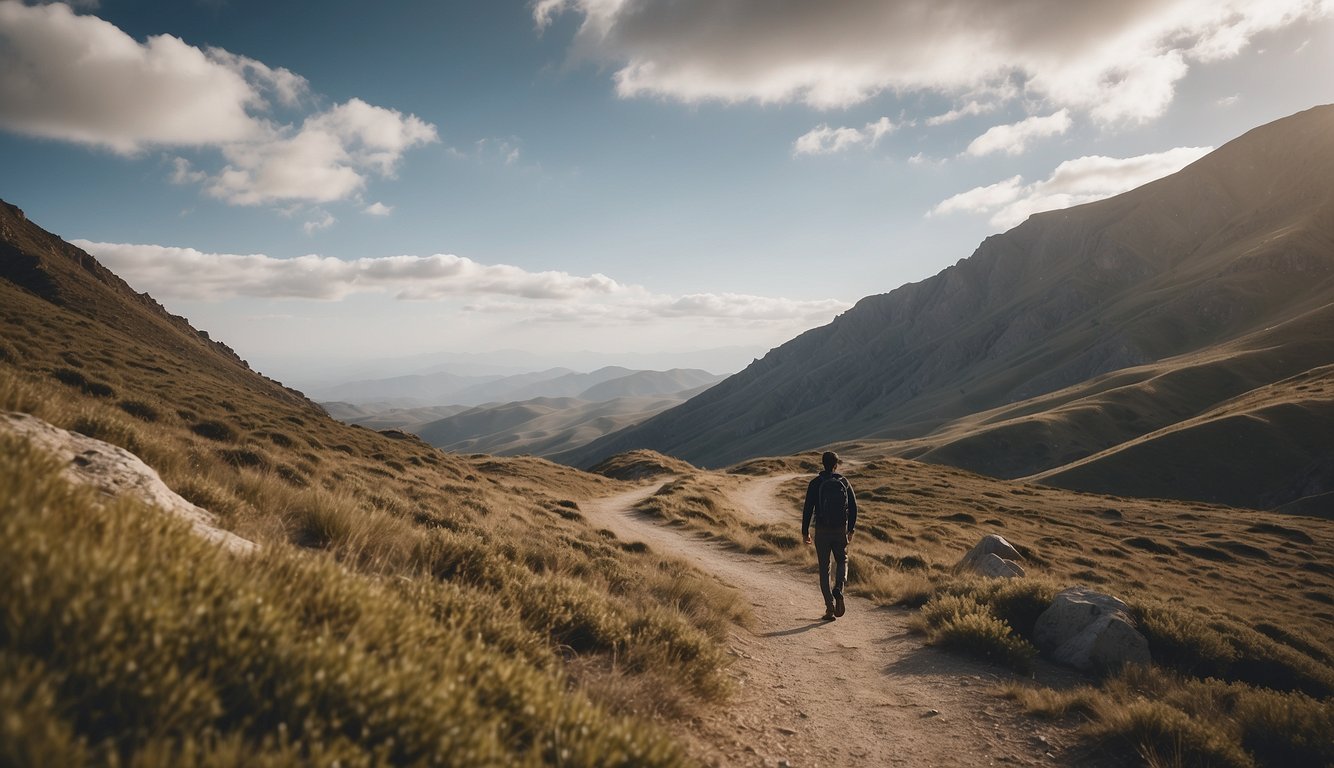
[839, 608]
[828, 615]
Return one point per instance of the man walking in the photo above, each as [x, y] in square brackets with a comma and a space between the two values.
[831, 505]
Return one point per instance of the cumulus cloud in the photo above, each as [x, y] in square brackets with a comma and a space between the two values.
[1013, 139]
[81, 79]
[190, 274]
[1074, 182]
[328, 158]
[823, 140]
[1115, 60]
[378, 209]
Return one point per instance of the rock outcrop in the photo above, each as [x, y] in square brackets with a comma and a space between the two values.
[993, 557]
[115, 472]
[1090, 631]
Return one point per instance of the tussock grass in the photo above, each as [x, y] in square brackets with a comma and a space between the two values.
[1168, 719]
[962, 623]
[1239, 681]
[551, 624]
[126, 636]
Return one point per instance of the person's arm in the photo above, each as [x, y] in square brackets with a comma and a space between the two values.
[852, 509]
[807, 510]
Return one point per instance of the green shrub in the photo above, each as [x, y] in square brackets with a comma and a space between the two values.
[960, 623]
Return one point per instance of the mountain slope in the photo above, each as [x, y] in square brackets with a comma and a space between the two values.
[405, 607]
[541, 426]
[1239, 241]
[650, 383]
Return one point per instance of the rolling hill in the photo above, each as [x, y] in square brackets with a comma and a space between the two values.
[543, 426]
[1161, 304]
[404, 606]
[408, 606]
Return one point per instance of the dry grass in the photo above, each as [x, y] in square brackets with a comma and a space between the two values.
[1240, 680]
[488, 557]
[1167, 719]
[126, 636]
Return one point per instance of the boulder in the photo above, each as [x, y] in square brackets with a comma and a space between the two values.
[993, 557]
[115, 472]
[1090, 631]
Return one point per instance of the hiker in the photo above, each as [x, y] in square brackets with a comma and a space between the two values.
[833, 507]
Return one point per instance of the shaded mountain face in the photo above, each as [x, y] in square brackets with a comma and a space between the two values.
[1238, 242]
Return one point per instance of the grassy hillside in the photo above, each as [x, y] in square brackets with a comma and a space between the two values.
[1172, 428]
[544, 426]
[1237, 606]
[408, 605]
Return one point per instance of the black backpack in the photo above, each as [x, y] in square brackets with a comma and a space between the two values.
[831, 503]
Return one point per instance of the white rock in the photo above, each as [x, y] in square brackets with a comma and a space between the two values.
[116, 472]
[992, 556]
[996, 567]
[1090, 631]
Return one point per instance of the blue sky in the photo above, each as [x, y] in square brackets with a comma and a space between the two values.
[324, 183]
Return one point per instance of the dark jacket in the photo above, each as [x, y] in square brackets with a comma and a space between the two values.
[813, 498]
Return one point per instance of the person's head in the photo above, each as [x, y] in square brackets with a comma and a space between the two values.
[830, 461]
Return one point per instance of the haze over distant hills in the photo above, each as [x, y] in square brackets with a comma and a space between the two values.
[1147, 342]
[447, 388]
[539, 413]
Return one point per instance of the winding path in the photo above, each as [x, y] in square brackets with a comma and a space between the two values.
[857, 691]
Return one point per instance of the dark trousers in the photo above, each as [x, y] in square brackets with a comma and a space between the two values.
[832, 542]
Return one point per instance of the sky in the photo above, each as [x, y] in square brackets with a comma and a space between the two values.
[337, 185]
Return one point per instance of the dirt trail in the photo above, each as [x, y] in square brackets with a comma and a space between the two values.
[853, 692]
[760, 498]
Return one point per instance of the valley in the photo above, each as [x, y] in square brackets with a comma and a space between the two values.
[519, 578]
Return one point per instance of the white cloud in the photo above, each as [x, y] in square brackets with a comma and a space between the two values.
[972, 108]
[1115, 60]
[182, 172]
[1013, 139]
[979, 199]
[1228, 101]
[1074, 182]
[378, 209]
[323, 220]
[81, 79]
[823, 140]
[189, 274]
[328, 158]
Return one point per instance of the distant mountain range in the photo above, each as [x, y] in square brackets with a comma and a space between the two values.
[446, 388]
[540, 413]
[543, 426]
[1175, 340]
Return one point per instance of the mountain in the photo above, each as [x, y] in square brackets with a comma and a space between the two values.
[650, 383]
[542, 426]
[435, 388]
[387, 416]
[1239, 245]
[39, 270]
[444, 388]
[405, 606]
